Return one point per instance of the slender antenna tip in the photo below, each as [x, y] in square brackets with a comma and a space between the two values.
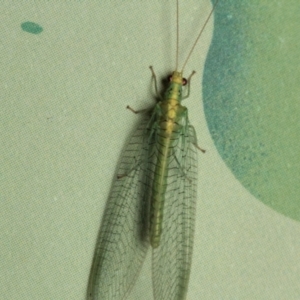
[199, 35]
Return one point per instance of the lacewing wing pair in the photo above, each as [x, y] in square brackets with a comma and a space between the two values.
[153, 201]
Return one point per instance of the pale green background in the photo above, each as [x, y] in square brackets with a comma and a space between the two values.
[63, 125]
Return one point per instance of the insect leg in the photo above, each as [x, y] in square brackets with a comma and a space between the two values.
[155, 84]
[139, 111]
[137, 164]
[195, 141]
[188, 86]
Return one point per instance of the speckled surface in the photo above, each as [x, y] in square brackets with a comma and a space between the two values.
[63, 126]
[251, 98]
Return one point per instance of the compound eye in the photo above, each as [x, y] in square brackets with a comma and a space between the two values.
[170, 78]
[184, 81]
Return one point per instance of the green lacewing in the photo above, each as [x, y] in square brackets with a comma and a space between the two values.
[153, 200]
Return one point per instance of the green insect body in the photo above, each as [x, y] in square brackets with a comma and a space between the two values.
[168, 116]
[152, 203]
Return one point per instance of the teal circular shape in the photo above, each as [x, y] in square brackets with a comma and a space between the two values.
[31, 27]
[251, 97]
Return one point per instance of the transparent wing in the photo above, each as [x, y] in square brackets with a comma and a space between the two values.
[122, 245]
[172, 259]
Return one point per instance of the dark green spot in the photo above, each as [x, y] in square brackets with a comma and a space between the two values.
[251, 98]
[31, 27]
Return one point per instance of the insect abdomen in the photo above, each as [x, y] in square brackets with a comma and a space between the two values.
[166, 136]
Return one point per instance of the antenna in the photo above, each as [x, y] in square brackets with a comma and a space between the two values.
[177, 33]
[198, 37]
